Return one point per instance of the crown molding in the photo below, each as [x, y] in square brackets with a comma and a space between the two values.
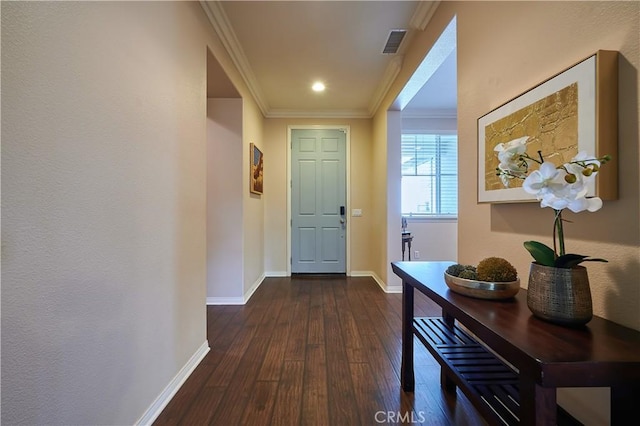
[390, 74]
[287, 113]
[423, 14]
[222, 27]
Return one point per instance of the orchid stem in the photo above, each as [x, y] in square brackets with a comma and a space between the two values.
[559, 232]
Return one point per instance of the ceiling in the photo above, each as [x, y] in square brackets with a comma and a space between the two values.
[282, 47]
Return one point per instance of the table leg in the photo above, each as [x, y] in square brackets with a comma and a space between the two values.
[406, 370]
[403, 245]
[445, 381]
[624, 402]
[409, 244]
[538, 406]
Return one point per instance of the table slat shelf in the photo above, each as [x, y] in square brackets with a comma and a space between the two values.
[486, 380]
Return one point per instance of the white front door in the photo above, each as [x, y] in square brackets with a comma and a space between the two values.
[318, 201]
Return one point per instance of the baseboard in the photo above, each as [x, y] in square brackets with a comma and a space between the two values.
[152, 413]
[254, 287]
[376, 278]
[237, 300]
[276, 274]
[225, 301]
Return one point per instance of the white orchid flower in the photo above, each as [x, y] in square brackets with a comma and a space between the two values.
[509, 154]
[579, 163]
[510, 151]
[576, 203]
[547, 178]
[563, 187]
[549, 186]
[516, 146]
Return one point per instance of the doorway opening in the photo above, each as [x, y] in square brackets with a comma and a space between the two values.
[427, 152]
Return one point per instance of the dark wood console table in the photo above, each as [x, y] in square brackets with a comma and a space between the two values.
[510, 363]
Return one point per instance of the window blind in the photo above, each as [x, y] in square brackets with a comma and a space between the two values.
[429, 175]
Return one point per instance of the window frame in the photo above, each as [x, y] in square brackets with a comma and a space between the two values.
[416, 217]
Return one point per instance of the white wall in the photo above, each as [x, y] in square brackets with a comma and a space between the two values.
[434, 239]
[103, 206]
[225, 278]
[429, 124]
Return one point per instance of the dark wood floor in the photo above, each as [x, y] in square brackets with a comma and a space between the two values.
[313, 351]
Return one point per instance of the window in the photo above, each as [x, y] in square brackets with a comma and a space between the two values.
[430, 175]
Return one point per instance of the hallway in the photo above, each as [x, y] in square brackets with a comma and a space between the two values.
[316, 351]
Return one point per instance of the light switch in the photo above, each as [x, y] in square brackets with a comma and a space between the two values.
[356, 212]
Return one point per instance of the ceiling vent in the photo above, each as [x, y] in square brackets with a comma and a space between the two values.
[393, 42]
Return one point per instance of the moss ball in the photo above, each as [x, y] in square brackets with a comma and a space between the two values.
[496, 269]
[468, 274]
[454, 270]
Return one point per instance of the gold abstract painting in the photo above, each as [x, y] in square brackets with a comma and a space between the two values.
[551, 124]
[572, 111]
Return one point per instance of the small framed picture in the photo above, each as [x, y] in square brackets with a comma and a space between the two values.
[257, 170]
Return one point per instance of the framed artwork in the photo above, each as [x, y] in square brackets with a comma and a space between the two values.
[575, 110]
[257, 170]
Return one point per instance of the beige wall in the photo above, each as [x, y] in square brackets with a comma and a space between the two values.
[275, 181]
[379, 195]
[253, 205]
[104, 183]
[487, 77]
[487, 80]
[104, 212]
[505, 48]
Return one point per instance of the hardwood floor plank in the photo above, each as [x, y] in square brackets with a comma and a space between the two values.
[204, 405]
[274, 358]
[348, 327]
[288, 404]
[341, 394]
[297, 340]
[230, 359]
[315, 401]
[242, 384]
[260, 405]
[182, 402]
[365, 389]
[315, 334]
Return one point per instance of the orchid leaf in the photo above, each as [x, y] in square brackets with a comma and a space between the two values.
[571, 260]
[595, 259]
[541, 253]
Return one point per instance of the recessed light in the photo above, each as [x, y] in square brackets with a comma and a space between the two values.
[318, 87]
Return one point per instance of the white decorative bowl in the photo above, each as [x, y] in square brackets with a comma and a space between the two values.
[482, 289]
